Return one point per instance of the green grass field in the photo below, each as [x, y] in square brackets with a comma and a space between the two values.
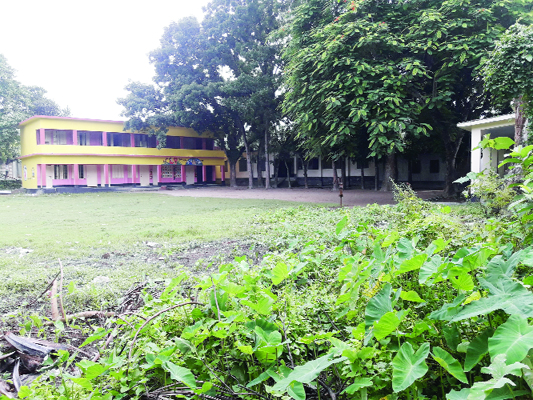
[65, 225]
[106, 235]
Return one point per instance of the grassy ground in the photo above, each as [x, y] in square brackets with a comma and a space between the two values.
[120, 238]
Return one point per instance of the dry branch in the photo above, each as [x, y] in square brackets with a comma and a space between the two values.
[155, 316]
[53, 299]
[84, 314]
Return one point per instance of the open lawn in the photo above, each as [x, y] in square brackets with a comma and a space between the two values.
[109, 241]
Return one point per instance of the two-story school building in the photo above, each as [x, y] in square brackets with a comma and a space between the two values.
[60, 152]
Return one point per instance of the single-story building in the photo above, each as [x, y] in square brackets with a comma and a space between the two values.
[481, 159]
[61, 152]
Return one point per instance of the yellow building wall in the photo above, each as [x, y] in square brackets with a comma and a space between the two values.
[33, 154]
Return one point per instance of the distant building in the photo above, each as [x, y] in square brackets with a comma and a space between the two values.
[60, 152]
[11, 170]
[482, 159]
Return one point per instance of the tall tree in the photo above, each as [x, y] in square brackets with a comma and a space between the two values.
[389, 70]
[508, 74]
[18, 102]
[219, 76]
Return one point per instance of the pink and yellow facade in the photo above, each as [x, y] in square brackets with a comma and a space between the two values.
[72, 152]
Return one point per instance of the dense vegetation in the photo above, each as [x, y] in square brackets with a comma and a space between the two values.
[407, 301]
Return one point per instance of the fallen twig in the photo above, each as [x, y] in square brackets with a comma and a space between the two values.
[84, 314]
[44, 291]
[155, 316]
[53, 299]
[61, 293]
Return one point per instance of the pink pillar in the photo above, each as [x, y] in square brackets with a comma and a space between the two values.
[181, 142]
[39, 182]
[133, 168]
[106, 175]
[75, 137]
[104, 138]
[222, 174]
[183, 177]
[43, 175]
[75, 174]
[214, 178]
[41, 135]
[204, 171]
[132, 140]
[158, 173]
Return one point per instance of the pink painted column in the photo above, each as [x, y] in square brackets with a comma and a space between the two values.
[43, 175]
[133, 168]
[106, 175]
[74, 137]
[181, 142]
[222, 174]
[214, 174]
[76, 174]
[204, 171]
[158, 173]
[183, 177]
[39, 182]
[104, 138]
[132, 140]
[41, 135]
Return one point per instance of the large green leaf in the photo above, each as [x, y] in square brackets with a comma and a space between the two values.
[263, 306]
[280, 273]
[308, 372]
[498, 369]
[180, 374]
[412, 264]
[448, 310]
[411, 295]
[477, 349]
[378, 306]
[449, 363]
[505, 294]
[386, 325]
[358, 384]
[408, 366]
[514, 338]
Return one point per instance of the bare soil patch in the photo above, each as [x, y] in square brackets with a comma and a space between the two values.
[351, 197]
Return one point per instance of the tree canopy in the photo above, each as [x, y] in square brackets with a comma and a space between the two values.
[18, 102]
[219, 76]
[508, 73]
[389, 70]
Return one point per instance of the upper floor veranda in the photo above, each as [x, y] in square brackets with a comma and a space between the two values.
[52, 135]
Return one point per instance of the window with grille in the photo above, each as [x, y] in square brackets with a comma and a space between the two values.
[60, 171]
[117, 171]
[81, 171]
[167, 171]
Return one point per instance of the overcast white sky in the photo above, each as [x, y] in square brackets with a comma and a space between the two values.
[84, 52]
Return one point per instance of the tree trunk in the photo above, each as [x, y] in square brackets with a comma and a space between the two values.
[276, 171]
[232, 173]
[451, 149]
[335, 187]
[343, 173]
[376, 174]
[267, 163]
[363, 175]
[305, 166]
[248, 156]
[390, 166]
[259, 167]
[520, 120]
[288, 174]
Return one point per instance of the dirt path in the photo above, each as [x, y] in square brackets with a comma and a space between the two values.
[352, 197]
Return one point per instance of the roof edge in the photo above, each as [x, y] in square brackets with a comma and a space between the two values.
[499, 118]
[68, 118]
